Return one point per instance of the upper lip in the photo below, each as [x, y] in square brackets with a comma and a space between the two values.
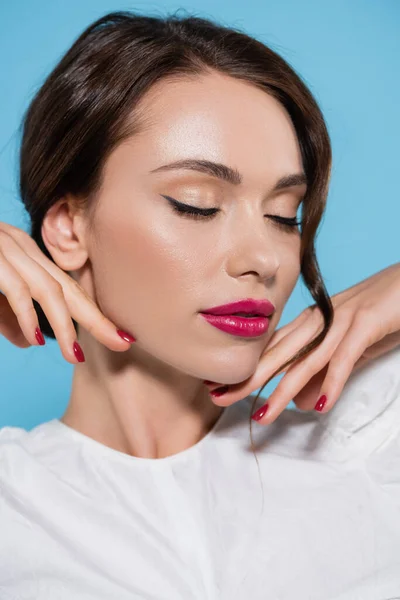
[247, 305]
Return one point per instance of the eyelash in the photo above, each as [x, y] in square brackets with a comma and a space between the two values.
[286, 223]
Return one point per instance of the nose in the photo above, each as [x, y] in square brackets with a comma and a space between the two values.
[253, 250]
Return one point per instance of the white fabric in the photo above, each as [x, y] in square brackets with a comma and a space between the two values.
[81, 521]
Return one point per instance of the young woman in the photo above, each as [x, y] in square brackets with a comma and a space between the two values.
[163, 164]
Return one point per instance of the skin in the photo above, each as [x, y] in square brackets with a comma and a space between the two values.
[151, 271]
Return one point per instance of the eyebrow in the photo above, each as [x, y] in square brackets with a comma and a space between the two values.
[221, 171]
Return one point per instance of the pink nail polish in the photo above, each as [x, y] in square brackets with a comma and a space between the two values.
[39, 336]
[321, 403]
[126, 336]
[260, 412]
[78, 352]
[219, 391]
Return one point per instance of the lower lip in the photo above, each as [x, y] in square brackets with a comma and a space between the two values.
[242, 326]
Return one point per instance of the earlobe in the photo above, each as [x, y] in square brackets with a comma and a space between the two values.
[63, 234]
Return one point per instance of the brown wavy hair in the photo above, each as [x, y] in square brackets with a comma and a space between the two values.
[86, 107]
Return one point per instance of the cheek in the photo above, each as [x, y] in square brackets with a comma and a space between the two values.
[291, 275]
[146, 270]
[289, 271]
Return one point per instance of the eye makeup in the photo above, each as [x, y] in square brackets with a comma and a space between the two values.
[186, 210]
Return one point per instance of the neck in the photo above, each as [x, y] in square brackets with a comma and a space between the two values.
[132, 403]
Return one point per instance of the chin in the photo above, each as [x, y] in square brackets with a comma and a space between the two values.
[232, 375]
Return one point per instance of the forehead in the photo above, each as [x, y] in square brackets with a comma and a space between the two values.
[218, 118]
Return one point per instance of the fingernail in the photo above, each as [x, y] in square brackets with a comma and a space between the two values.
[321, 403]
[209, 382]
[220, 391]
[260, 412]
[79, 352]
[39, 337]
[126, 336]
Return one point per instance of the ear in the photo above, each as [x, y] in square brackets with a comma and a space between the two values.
[64, 234]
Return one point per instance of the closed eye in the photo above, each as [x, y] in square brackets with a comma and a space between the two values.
[187, 209]
[193, 212]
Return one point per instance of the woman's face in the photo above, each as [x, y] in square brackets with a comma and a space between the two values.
[153, 269]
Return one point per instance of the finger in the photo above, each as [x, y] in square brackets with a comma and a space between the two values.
[306, 397]
[86, 312]
[9, 326]
[285, 330]
[301, 372]
[284, 346]
[272, 360]
[276, 337]
[342, 363]
[297, 337]
[77, 302]
[18, 318]
[34, 282]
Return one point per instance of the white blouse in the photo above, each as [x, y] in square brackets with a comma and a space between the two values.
[81, 521]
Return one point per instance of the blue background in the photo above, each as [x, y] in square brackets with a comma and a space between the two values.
[348, 54]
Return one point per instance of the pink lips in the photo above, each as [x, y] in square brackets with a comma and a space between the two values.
[247, 305]
[222, 317]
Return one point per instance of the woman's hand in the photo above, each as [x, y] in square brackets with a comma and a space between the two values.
[366, 324]
[26, 273]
